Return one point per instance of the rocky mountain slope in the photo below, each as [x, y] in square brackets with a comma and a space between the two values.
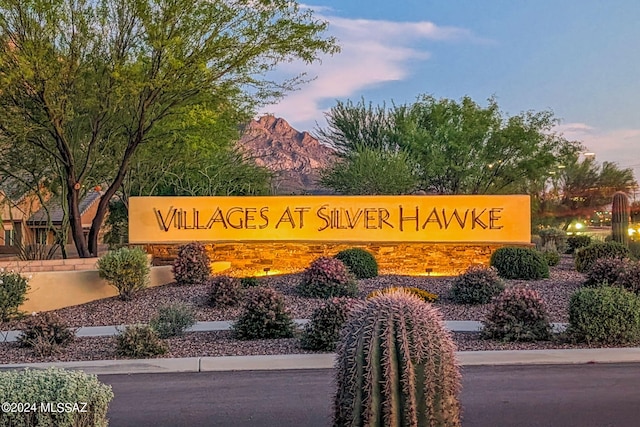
[295, 157]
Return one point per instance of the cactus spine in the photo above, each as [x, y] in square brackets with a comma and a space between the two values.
[395, 366]
[620, 212]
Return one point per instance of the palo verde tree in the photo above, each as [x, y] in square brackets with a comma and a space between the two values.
[87, 82]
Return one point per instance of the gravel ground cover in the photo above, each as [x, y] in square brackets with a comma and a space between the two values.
[555, 292]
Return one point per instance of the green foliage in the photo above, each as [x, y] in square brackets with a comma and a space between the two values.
[139, 342]
[172, 320]
[372, 171]
[634, 249]
[326, 278]
[607, 315]
[225, 291]
[577, 242]
[323, 330]
[518, 314]
[477, 285]
[555, 237]
[249, 282]
[117, 224]
[585, 257]
[263, 316]
[359, 262]
[192, 266]
[126, 269]
[629, 277]
[420, 293]
[45, 333]
[395, 366]
[605, 272]
[519, 263]
[54, 385]
[13, 292]
[551, 256]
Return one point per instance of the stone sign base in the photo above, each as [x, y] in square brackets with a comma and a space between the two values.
[271, 258]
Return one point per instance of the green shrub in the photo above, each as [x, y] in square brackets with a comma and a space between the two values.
[126, 269]
[425, 296]
[54, 385]
[605, 272]
[173, 320]
[249, 282]
[576, 242]
[323, 330]
[585, 257]
[518, 314]
[327, 278]
[263, 316]
[555, 237]
[13, 291]
[45, 333]
[634, 249]
[477, 285]
[519, 263]
[551, 256]
[607, 315]
[359, 262]
[536, 240]
[629, 277]
[192, 266]
[225, 291]
[139, 341]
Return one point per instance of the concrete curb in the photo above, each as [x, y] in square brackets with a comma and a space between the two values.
[326, 361]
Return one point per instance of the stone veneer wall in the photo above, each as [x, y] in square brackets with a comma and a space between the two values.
[252, 258]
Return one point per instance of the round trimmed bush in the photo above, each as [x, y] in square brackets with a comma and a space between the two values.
[192, 266]
[139, 341]
[605, 272]
[172, 320]
[518, 314]
[607, 315]
[323, 330]
[327, 278]
[520, 263]
[225, 291]
[264, 316]
[477, 285]
[359, 262]
[629, 277]
[126, 269]
[585, 257]
[13, 291]
[576, 242]
[551, 256]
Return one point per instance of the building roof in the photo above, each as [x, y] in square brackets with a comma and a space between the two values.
[56, 212]
[14, 189]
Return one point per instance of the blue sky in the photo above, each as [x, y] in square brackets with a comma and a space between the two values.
[579, 59]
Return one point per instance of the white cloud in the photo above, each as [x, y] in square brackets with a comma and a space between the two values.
[374, 52]
[613, 145]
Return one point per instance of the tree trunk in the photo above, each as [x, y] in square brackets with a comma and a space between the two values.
[75, 220]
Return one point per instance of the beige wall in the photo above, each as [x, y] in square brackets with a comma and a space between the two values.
[57, 289]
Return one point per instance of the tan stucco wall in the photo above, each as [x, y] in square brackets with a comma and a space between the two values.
[57, 289]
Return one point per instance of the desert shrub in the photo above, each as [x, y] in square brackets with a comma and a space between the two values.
[359, 262]
[519, 263]
[323, 330]
[224, 291]
[126, 269]
[249, 282]
[576, 242]
[585, 257]
[13, 291]
[634, 249]
[518, 314]
[605, 272]
[173, 320]
[554, 236]
[139, 341]
[607, 315]
[54, 385]
[327, 278]
[263, 316]
[477, 285]
[551, 256]
[192, 266]
[536, 240]
[629, 277]
[45, 333]
[425, 296]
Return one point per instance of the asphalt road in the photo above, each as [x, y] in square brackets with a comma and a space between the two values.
[514, 396]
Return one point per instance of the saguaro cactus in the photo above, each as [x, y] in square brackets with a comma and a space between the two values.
[620, 212]
[395, 366]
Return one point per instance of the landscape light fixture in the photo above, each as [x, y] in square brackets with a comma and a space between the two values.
[428, 270]
[266, 271]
